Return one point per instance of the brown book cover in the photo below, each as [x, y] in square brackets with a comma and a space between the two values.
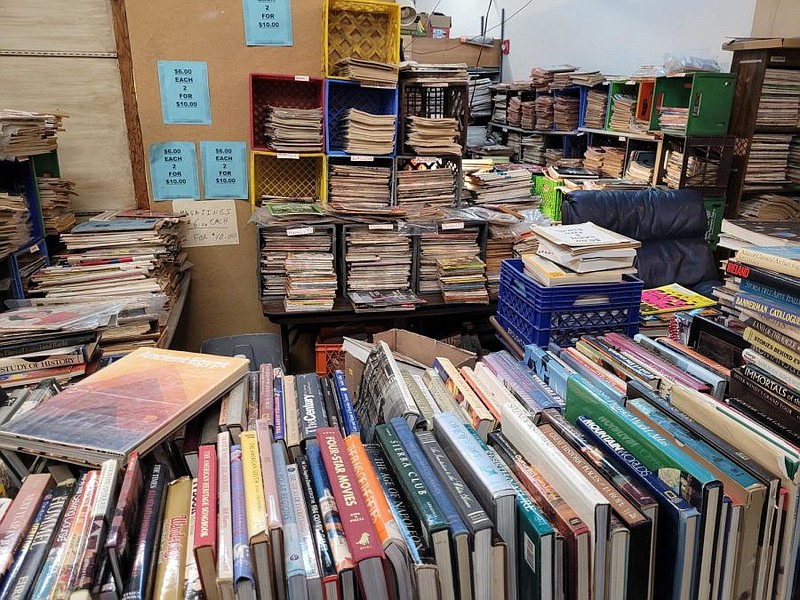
[18, 519]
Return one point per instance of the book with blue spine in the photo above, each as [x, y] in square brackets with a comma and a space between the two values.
[349, 418]
[759, 289]
[459, 534]
[244, 580]
[131, 224]
[278, 414]
[771, 308]
[678, 522]
[548, 367]
[295, 568]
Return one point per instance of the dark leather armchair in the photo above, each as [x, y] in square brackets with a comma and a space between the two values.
[670, 224]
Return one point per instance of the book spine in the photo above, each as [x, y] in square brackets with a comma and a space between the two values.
[291, 413]
[274, 515]
[312, 410]
[517, 388]
[331, 519]
[777, 351]
[255, 502]
[46, 345]
[19, 517]
[225, 513]
[772, 333]
[192, 583]
[242, 564]
[349, 418]
[763, 277]
[766, 380]
[315, 516]
[770, 262]
[139, 583]
[758, 289]
[205, 525]
[100, 517]
[294, 565]
[39, 583]
[772, 309]
[352, 508]
[78, 538]
[171, 559]
[253, 401]
[462, 393]
[307, 549]
[331, 405]
[771, 369]
[25, 547]
[538, 389]
[23, 366]
[765, 408]
[278, 418]
[266, 397]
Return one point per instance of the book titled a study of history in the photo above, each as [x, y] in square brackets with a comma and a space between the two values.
[129, 406]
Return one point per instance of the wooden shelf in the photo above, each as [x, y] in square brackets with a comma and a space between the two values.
[497, 125]
[647, 137]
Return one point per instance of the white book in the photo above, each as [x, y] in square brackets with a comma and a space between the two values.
[307, 548]
[225, 518]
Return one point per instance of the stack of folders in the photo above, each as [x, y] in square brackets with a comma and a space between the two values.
[622, 110]
[16, 227]
[24, 133]
[55, 197]
[311, 281]
[277, 243]
[433, 136]
[596, 101]
[609, 470]
[368, 72]
[444, 244]
[294, 129]
[463, 280]
[499, 185]
[369, 134]
[584, 253]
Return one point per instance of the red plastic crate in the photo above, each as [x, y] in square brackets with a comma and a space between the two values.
[287, 91]
[329, 358]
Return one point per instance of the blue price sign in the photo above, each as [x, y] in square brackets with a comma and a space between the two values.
[268, 22]
[184, 92]
[173, 171]
[224, 169]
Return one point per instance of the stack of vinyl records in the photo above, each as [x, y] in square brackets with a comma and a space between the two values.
[613, 162]
[15, 225]
[566, 111]
[24, 133]
[673, 119]
[793, 166]
[277, 243]
[544, 113]
[377, 259]
[480, 98]
[593, 158]
[768, 159]
[55, 196]
[770, 207]
[499, 186]
[596, 103]
[355, 186]
[532, 149]
[369, 134]
[445, 244]
[779, 105]
[310, 282]
[294, 130]
[369, 72]
[622, 112]
[432, 137]
[544, 77]
[641, 166]
[422, 183]
[463, 279]
[515, 111]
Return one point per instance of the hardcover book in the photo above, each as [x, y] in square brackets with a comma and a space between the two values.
[482, 420]
[11, 577]
[311, 405]
[271, 498]
[174, 533]
[224, 570]
[350, 423]
[265, 392]
[204, 541]
[131, 405]
[307, 549]
[244, 581]
[20, 516]
[295, 572]
[122, 530]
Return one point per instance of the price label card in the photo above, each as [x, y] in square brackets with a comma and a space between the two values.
[224, 169]
[268, 22]
[299, 231]
[361, 158]
[173, 171]
[289, 155]
[453, 225]
[382, 226]
[210, 223]
[184, 92]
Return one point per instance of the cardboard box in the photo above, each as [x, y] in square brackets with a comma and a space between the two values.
[439, 26]
[418, 349]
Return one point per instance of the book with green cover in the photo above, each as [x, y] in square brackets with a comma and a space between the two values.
[686, 476]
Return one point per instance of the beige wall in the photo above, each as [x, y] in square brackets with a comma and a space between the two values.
[776, 18]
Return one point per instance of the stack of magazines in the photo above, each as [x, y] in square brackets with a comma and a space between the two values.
[277, 243]
[433, 136]
[444, 244]
[544, 113]
[425, 182]
[497, 185]
[368, 72]
[596, 101]
[369, 134]
[15, 229]
[311, 282]
[463, 279]
[354, 186]
[294, 129]
[24, 133]
[55, 197]
[377, 258]
[622, 110]
[384, 300]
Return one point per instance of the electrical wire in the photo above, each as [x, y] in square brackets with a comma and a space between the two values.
[480, 52]
[514, 14]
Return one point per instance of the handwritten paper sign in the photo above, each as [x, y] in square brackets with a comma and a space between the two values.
[210, 223]
[184, 92]
[268, 22]
[173, 170]
[224, 169]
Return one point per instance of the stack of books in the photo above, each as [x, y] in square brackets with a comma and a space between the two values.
[641, 165]
[566, 110]
[499, 185]
[378, 258]
[532, 149]
[444, 244]
[424, 183]
[432, 137]
[359, 187]
[369, 72]
[55, 198]
[779, 105]
[622, 111]
[294, 130]
[596, 101]
[545, 118]
[15, 229]
[311, 282]
[770, 207]
[673, 119]
[613, 162]
[277, 243]
[577, 254]
[743, 233]
[463, 280]
[24, 133]
[593, 158]
[544, 77]
[369, 134]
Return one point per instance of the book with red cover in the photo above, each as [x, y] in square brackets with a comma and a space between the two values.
[19, 517]
[204, 543]
[362, 539]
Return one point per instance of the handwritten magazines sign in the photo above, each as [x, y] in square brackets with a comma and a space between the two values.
[209, 223]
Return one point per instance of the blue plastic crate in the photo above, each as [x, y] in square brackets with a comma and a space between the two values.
[341, 96]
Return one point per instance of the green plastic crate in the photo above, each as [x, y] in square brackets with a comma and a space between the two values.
[551, 198]
[715, 210]
[708, 96]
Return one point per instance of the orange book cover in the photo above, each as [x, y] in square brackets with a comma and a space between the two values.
[371, 489]
[128, 406]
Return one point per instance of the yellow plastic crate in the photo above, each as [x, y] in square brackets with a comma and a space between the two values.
[274, 174]
[366, 29]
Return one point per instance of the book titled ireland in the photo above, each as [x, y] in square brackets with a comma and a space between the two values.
[129, 406]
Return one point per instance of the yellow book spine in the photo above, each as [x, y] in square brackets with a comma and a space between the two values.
[174, 539]
[255, 502]
[772, 348]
